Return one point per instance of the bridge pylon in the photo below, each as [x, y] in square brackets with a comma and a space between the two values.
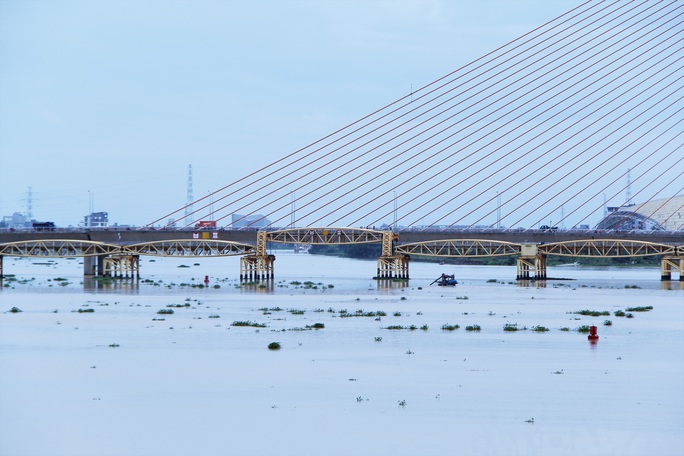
[669, 264]
[390, 264]
[260, 265]
[531, 263]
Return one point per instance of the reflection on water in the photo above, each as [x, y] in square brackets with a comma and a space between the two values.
[129, 285]
[391, 284]
[531, 283]
[264, 286]
[672, 285]
[269, 285]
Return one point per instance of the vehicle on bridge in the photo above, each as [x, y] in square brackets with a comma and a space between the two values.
[206, 224]
[44, 226]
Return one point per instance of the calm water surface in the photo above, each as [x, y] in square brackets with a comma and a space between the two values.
[127, 380]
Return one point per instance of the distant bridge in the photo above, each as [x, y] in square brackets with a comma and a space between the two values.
[103, 258]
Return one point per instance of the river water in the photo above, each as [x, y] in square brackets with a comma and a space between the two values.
[93, 368]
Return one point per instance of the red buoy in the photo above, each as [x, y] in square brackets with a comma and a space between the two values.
[593, 333]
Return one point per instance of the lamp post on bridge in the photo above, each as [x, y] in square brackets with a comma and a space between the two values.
[395, 210]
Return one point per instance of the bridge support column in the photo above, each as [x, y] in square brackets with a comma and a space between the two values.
[260, 265]
[668, 264]
[390, 265]
[1, 276]
[393, 267]
[531, 264]
[93, 266]
[256, 267]
[532, 268]
[122, 266]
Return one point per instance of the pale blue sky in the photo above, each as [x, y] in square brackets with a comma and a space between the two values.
[116, 98]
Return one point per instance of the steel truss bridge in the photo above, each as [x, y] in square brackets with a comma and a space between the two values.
[102, 258]
[532, 257]
[122, 259]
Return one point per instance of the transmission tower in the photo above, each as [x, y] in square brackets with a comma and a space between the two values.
[628, 192]
[29, 205]
[188, 203]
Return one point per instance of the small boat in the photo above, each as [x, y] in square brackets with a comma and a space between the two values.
[445, 280]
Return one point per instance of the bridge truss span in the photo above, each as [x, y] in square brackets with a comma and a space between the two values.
[460, 248]
[58, 248]
[320, 236]
[190, 247]
[390, 265]
[607, 248]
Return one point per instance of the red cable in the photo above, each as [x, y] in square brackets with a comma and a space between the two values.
[621, 115]
[442, 112]
[623, 188]
[443, 171]
[599, 165]
[622, 162]
[558, 123]
[535, 159]
[650, 216]
[494, 121]
[402, 98]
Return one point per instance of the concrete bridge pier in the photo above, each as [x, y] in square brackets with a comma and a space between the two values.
[531, 263]
[122, 266]
[93, 266]
[669, 264]
[257, 267]
[1, 276]
[393, 267]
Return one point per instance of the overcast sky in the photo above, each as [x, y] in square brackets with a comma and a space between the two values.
[109, 101]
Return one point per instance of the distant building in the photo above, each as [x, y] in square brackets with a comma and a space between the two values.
[661, 214]
[97, 220]
[16, 221]
[252, 221]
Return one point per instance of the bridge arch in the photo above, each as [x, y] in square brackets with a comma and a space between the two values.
[260, 265]
[460, 248]
[189, 247]
[58, 248]
[607, 248]
[325, 235]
